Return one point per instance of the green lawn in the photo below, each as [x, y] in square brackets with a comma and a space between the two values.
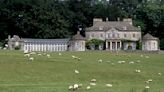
[55, 74]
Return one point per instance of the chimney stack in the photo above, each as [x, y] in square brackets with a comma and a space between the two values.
[118, 18]
[107, 19]
[129, 20]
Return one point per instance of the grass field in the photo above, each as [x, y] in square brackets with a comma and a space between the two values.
[55, 74]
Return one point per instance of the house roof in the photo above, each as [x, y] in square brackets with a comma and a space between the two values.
[149, 37]
[78, 36]
[119, 25]
[15, 38]
[45, 40]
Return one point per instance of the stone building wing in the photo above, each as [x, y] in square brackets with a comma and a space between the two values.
[149, 37]
[78, 36]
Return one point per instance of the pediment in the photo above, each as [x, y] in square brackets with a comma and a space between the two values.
[112, 30]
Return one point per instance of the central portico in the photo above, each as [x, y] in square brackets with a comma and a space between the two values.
[113, 44]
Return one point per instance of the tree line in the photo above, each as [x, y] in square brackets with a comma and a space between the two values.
[61, 18]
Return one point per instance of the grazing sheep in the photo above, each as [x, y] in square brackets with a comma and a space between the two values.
[131, 62]
[25, 51]
[78, 59]
[70, 87]
[147, 82]
[6, 45]
[80, 85]
[138, 61]
[159, 73]
[150, 80]
[147, 57]
[141, 55]
[108, 61]
[75, 86]
[147, 87]
[27, 55]
[48, 55]
[88, 87]
[109, 85]
[100, 60]
[73, 57]
[31, 58]
[93, 80]
[39, 54]
[113, 63]
[76, 71]
[137, 71]
[121, 62]
[92, 84]
[60, 54]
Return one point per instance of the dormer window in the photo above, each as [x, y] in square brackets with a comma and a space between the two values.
[124, 28]
[100, 28]
[125, 35]
[101, 35]
[134, 35]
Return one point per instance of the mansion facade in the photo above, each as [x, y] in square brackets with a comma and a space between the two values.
[116, 35]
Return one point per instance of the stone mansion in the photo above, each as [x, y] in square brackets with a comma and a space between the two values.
[116, 35]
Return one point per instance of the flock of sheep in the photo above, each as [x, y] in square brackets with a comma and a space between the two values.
[76, 86]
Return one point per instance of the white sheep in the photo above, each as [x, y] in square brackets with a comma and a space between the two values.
[88, 87]
[92, 84]
[159, 73]
[93, 80]
[48, 55]
[108, 61]
[100, 60]
[121, 62]
[60, 54]
[75, 86]
[31, 58]
[27, 55]
[109, 85]
[131, 62]
[147, 57]
[78, 59]
[138, 61]
[70, 87]
[147, 87]
[76, 71]
[6, 45]
[39, 54]
[137, 71]
[147, 82]
[73, 56]
[80, 85]
[25, 51]
[141, 55]
[150, 80]
[113, 63]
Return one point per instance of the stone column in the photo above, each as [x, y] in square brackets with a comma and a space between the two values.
[120, 45]
[111, 46]
[116, 46]
[106, 45]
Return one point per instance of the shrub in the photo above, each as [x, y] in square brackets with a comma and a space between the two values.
[95, 42]
[17, 47]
